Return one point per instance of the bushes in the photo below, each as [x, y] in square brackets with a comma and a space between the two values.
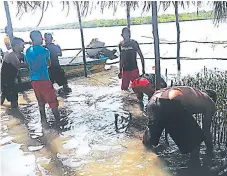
[215, 80]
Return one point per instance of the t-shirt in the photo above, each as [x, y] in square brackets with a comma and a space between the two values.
[128, 51]
[36, 57]
[55, 51]
[11, 58]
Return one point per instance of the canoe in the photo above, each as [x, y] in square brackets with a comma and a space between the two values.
[74, 69]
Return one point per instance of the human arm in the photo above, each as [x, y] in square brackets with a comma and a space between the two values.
[137, 47]
[48, 61]
[59, 51]
[120, 63]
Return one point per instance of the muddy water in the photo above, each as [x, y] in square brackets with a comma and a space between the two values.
[89, 143]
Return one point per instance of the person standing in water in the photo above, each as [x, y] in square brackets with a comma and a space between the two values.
[128, 69]
[56, 73]
[9, 71]
[38, 60]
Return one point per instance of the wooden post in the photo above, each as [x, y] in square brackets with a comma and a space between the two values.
[156, 44]
[82, 38]
[9, 23]
[178, 35]
[128, 14]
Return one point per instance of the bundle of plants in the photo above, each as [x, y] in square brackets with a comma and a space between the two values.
[216, 80]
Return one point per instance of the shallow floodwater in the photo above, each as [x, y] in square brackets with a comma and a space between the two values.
[89, 143]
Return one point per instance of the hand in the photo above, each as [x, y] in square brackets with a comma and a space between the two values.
[120, 75]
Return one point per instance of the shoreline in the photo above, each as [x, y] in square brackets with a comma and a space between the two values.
[183, 17]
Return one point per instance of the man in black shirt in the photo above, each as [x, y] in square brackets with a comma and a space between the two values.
[9, 71]
[128, 65]
[56, 73]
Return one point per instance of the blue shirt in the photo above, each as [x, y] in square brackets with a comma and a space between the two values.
[36, 58]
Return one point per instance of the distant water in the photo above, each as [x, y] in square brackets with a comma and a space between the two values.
[195, 30]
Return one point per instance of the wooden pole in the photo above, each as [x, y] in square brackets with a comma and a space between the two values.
[9, 23]
[178, 35]
[82, 38]
[156, 44]
[128, 14]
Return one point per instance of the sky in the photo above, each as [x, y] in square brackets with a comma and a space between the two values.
[55, 15]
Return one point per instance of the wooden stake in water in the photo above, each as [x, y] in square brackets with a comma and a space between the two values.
[82, 38]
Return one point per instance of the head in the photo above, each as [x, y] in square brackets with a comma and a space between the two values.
[212, 94]
[17, 44]
[36, 37]
[126, 34]
[48, 38]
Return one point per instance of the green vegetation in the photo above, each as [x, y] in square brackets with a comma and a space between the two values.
[215, 80]
[202, 15]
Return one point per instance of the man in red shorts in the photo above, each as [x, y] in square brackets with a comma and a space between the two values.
[128, 65]
[38, 60]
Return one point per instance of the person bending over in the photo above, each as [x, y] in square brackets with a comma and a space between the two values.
[145, 84]
[172, 109]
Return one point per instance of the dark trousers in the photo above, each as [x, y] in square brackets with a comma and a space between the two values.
[9, 91]
[57, 75]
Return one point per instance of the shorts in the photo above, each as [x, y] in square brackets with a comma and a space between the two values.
[57, 75]
[45, 93]
[172, 116]
[128, 76]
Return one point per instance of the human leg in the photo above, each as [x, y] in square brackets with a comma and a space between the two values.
[50, 97]
[134, 74]
[37, 87]
[206, 121]
[125, 80]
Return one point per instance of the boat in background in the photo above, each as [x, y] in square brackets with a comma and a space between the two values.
[74, 69]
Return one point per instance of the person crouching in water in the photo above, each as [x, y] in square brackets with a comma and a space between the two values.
[172, 109]
[145, 84]
[56, 73]
[38, 59]
[128, 64]
[9, 71]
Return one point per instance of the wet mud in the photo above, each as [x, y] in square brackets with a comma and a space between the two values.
[101, 132]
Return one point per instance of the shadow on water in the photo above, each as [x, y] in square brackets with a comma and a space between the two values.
[91, 144]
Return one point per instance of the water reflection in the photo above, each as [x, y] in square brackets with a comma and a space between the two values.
[89, 143]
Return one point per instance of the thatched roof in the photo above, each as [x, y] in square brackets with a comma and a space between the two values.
[219, 7]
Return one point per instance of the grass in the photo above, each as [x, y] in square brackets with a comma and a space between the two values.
[202, 15]
[215, 80]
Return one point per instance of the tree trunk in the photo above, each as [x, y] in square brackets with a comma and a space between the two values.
[178, 35]
[128, 14]
[9, 23]
[82, 38]
[156, 44]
